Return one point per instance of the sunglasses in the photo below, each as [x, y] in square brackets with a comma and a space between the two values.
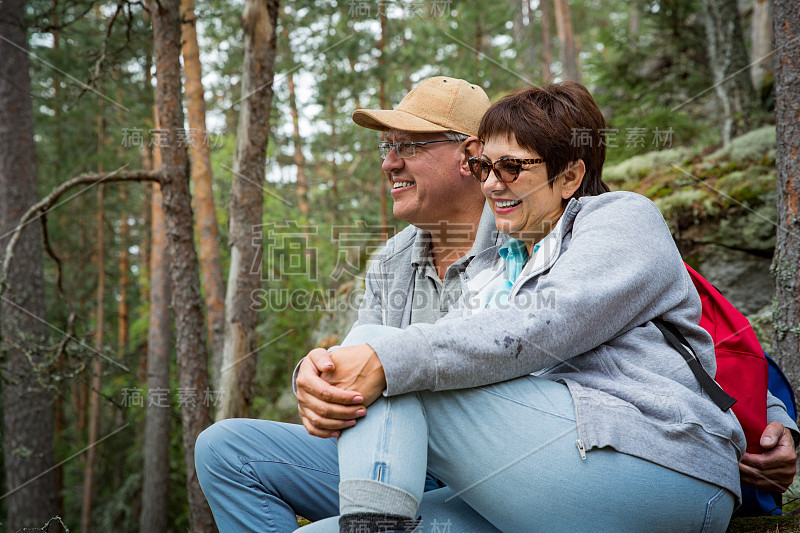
[506, 169]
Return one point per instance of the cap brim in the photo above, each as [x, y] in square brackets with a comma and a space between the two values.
[384, 120]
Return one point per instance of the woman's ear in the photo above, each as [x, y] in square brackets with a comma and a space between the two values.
[471, 147]
[573, 177]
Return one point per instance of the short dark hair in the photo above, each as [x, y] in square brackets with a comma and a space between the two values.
[561, 122]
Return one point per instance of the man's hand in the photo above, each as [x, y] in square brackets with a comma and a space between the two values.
[324, 409]
[357, 368]
[774, 469]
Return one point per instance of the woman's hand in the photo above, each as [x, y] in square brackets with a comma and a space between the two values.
[357, 368]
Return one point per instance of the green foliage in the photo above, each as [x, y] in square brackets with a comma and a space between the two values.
[654, 78]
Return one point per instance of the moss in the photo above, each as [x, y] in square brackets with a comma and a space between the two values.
[641, 166]
[658, 190]
[752, 228]
[752, 146]
[682, 201]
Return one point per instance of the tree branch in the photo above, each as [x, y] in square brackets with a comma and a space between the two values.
[48, 201]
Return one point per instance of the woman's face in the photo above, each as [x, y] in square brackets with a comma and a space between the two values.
[528, 208]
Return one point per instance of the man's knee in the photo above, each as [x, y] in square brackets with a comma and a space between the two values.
[210, 447]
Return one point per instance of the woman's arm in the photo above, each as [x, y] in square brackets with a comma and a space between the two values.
[621, 269]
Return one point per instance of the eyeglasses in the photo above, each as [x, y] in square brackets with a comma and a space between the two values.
[506, 169]
[405, 149]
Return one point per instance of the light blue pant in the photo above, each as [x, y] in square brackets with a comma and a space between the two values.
[509, 451]
[257, 474]
[497, 454]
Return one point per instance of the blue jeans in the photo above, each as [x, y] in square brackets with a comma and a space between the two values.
[510, 465]
[509, 451]
[257, 474]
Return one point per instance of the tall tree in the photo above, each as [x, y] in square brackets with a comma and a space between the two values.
[547, 49]
[259, 22]
[186, 300]
[207, 231]
[100, 320]
[30, 481]
[787, 247]
[156, 432]
[761, 64]
[728, 57]
[566, 36]
[299, 160]
[123, 313]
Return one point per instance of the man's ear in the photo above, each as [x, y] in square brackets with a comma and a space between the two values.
[471, 147]
[573, 177]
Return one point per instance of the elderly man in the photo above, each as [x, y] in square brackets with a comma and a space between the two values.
[258, 474]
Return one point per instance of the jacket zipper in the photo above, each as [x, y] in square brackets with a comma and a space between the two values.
[384, 294]
[581, 449]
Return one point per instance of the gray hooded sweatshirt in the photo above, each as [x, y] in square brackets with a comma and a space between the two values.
[580, 313]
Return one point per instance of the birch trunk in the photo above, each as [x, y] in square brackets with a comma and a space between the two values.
[728, 58]
[569, 52]
[761, 63]
[547, 38]
[259, 22]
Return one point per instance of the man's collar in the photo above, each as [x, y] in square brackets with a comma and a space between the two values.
[421, 251]
[487, 232]
[485, 237]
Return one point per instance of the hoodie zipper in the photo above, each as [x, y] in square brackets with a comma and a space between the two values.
[581, 449]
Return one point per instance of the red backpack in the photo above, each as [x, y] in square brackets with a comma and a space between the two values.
[742, 371]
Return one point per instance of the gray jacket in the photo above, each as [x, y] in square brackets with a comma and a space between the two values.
[582, 315]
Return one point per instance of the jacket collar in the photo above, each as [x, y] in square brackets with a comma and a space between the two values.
[489, 258]
[487, 236]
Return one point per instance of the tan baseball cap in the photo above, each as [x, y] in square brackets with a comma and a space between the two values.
[436, 104]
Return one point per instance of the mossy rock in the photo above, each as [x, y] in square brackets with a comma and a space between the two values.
[638, 167]
[752, 146]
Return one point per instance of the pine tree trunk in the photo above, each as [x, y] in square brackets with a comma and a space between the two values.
[728, 58]
[299, 160]
[761, 64]
[97, 363]
[207, 231]
[547, 38]
[259, 22]
[156, 432]
[123, 319]
[785, 268]
[569, 53]
[97, 372]
[30, 497]
[332, 112]
[184, 271]
[59, 403]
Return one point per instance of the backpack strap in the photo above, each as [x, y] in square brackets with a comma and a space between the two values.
[673, 335]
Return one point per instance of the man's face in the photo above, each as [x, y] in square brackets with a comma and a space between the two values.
[429, 187]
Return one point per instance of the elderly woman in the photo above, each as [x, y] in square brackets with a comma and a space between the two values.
[547, 400]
